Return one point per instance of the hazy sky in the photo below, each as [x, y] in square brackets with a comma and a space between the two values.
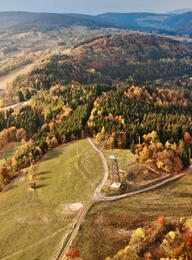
[93, 6]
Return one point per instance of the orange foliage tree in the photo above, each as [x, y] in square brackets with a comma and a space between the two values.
[21, 134]
[73, 254]
[161, 221]
[187, 138]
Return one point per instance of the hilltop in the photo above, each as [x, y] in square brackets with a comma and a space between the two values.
[131, 92]
[23, 21]
[168, 23]
[132, 58]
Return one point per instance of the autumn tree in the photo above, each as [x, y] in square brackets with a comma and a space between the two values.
[73, 254]
[144, 156]
[187, 138]
[128, 252]
[21, 135]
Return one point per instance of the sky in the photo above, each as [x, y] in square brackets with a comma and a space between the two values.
[94, 6]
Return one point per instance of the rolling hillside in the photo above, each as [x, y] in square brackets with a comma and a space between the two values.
[168, 23]
[42, 21]
[48, 22]
[120, 57]
[133, 20]
[127, 91]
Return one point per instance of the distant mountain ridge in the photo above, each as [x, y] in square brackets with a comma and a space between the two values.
[180, 24]
[23, 21]
[180, 11]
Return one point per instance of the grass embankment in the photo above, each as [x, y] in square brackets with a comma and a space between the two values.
[66, 175]
[8, 151]
[108, 225]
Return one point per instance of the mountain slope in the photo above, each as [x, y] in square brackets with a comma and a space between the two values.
[8, 19]
[180, 24]
[180, 11]
[47, 22]
[168, 23]
[178, 21]
[133, 20]
[122, 57]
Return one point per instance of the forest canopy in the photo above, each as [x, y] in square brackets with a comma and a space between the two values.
[118, 89]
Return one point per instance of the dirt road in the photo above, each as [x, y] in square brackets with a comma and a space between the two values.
[67, 244]
[98, 197]
[12, 75]
[26, 68]
[15, 106]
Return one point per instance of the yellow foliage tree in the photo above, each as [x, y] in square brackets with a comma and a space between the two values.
[128, 253]
[144, 156]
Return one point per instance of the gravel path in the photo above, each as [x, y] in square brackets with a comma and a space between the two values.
[98, 197]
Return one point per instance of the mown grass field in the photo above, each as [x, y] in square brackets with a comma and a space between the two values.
[8, 151]
[125, 157]
[36, 222]
[132, 174]
[108, 225]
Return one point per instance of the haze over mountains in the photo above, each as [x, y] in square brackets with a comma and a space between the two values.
[180, 11]
[170, 23]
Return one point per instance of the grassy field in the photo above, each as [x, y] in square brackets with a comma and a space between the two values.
[125, 157]
[133, 175]
[109, 224]
[37, 221]
[8, 151]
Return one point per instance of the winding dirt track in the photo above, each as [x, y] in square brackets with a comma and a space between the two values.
[98, 197]
[80, 217]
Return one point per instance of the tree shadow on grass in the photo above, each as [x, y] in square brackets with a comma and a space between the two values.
[41, 186]
[53, 154]
[185, 183]
[43, 178]
[43, 173]
[184, 195]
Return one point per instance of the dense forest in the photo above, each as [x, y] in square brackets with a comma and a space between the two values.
[55, 117]
[119, 88]
[137, 111]
[134, 58]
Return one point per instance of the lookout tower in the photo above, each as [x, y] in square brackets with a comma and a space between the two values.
[115, 171]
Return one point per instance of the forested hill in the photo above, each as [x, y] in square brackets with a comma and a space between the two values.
[122, 87]
[132, 58]
[169, 23]
[143, 57]
[26, 21]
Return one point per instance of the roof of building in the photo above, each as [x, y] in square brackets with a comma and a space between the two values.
[113, 157]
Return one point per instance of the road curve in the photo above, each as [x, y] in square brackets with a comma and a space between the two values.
[112, 198]
[80, 217]
[16, 106]
[97, 196]
[97, 193]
